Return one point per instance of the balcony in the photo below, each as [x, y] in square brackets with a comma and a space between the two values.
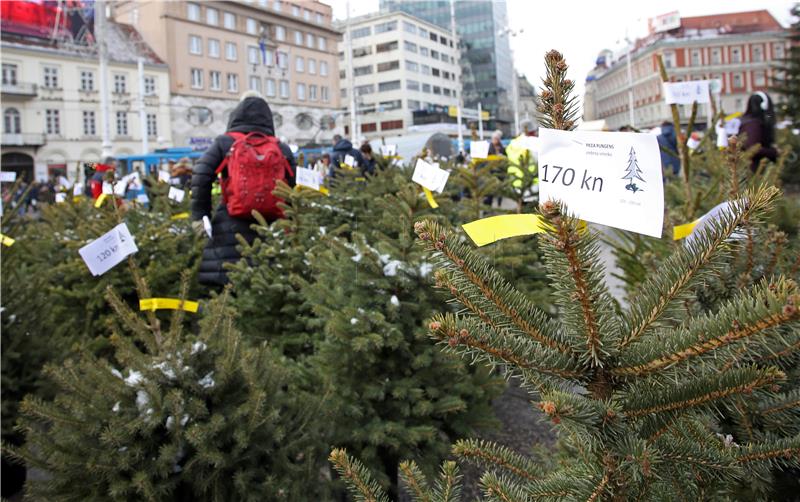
[23, 139]
[19, 90]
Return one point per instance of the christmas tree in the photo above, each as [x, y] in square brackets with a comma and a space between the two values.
[787, 82]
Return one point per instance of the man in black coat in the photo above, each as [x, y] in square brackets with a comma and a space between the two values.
[341, 149]
[252, 114]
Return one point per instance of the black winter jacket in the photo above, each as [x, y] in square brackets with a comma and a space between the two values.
[342, 149]
[252, 114]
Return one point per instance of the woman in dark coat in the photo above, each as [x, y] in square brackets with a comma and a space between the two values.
[758, 127]
[252, 114]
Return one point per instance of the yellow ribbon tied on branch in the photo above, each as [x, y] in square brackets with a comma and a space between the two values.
[100, 200]
[429, 196]
[492, 229]
[168, 303]
[179, 216]
[683, 231]
[6, 240]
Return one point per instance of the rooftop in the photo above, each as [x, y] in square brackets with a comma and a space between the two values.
[376, 16]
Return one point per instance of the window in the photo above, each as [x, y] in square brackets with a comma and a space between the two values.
[9, 74]
[270, 57]
[446, 75]
[388, 66]
[426, 70]
[361, 32]
[12, 121]
[696, 57]
[435, 72]
[736, 55]
[307, 14]
[758, 54]
[669, 59]
[364, 89]
[263, 3]
[213, 48]
[410, 46]
[298, 38]
[197, 78]
[87, 80]
[215, 80]
[301, 92]
[410, 27]
[362, 70]
[738, 80]
[51, 77]
[283, 60]
[391, 124]
[323, 68]
[280, 33]
[426, 88]
[325, 94]
[437, 90]
[285, 89]
[384, 27]
[195, 44]
[251, 26]
[277, 5]
[413, 104]
[89, 123]
[252, 54]
[391, 105]
[152, 125]
[434, 54]
[255, 84]
[149, 85]
[389, 86]
[779, 50]
[193, 11]
[716, 56]
[270, 88]
[299, 64]
[423, 51]
[312, 93]
[122, 123]
[320, 19]
[759, 79]
[231, 51]
[120, 84]
[212, 16]
[362, 51]
[309, 40]
[412, 85]
[443, 40]
[312, 66]
[412, 66]
[233, 82]
[295, 11]
[434, 37]
[229, 20]
[423, 32]
[322, 43]
[386, 47]
[371, 127]
[52, 121]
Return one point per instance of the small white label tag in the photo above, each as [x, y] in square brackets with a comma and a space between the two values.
[479, 149]
[388, 150]
[308, 178]
[294, 148]
[611, 178]
[61, 197]
[120, 187]
[176, 194]
[8, 176]
[207, 225]
[108, 188]
[77, 189]
[164, 176]
[102, 254]
[64, 182]
[350, 160]
[430, 176]
[686, 93]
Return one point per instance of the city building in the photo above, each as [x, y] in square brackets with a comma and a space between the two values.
[486, 63]
[404, 69]
[527, 105]
[218, 50]
[51, 102]
[740, 49]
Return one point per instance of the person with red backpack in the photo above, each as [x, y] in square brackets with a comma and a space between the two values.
[250, 160]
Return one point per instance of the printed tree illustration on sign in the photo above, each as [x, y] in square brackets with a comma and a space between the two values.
[633, 172]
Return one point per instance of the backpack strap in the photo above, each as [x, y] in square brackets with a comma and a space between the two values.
[222, 165]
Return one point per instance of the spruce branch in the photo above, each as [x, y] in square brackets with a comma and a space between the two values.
[685, 267]
[500, 488]
[448, 485]
[415, 481]
[557, 107]
[359, 481]
[487, 454]
[783, 452]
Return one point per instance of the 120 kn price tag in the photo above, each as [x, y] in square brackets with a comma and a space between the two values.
[102, 254]
[611, 178]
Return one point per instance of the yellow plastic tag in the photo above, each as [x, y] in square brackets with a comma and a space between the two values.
[429, 196]
[324, 190]
[167, 303]
[6, 240]
[179, 216]
[681, 231]
[100, 200]
[489, 230]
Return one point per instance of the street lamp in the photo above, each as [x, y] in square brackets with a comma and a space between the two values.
[514, 82]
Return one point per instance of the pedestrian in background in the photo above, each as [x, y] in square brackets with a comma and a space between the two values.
[758, 127]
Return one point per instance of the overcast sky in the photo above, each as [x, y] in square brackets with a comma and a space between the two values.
[580, 29]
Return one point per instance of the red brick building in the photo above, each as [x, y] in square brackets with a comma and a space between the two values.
[741, 49]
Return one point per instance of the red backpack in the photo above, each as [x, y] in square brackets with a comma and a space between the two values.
[253, 165]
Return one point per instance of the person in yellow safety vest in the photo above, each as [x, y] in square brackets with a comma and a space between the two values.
[515, 150]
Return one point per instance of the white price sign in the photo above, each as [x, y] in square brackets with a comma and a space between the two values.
[388, 150]
[686, 93]
[611, 178]
[479, 149]
[308, 178]
[176, 194]
[430, 176]
[61, 197]
[102, 254]
[8, 176]
[77, 190]
[163, 176]
[64, 182]
[350, 160]
[108, 188]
